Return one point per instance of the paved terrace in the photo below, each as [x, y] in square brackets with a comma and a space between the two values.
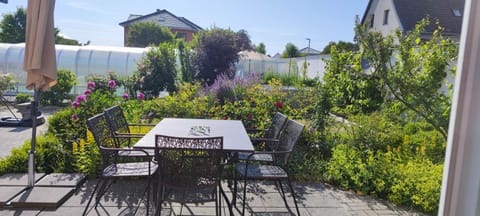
[124, 197]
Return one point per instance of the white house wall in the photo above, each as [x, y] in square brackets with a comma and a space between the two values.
[378, 7]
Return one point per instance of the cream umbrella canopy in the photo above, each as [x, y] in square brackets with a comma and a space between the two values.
[39, 61]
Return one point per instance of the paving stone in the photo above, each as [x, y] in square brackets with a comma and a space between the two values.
[42, 197]
[22, 212]
[61, 180]
[18, 179]
[327, 211]
[8, 192]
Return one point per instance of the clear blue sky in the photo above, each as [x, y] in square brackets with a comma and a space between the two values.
[275, 23]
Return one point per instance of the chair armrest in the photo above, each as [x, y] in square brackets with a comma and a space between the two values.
[269, 142]
[254, 131]
[267, 152]
[128, 135]
[125, 149]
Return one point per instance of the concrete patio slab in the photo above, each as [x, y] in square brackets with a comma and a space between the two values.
[18, 179]
[61, 180]
[42, 197]
[8, 192]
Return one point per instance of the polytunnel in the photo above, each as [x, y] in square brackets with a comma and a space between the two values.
[81, 60]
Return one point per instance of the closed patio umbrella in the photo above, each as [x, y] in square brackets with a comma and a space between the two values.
[39, 61]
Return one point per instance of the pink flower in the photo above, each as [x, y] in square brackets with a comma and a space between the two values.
[112, 84]
[225, 118]
[81, 98]
[249, 117]
[140, 96]
[87, 92]
[279, 104]
[125, 96]
[75, 104]
[90, 85]
[142, 80]
[74, 117]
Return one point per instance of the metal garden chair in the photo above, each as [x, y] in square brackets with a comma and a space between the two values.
[189, 170]
[276, 171]
[111, 168]
[121, 130]
[269, 140]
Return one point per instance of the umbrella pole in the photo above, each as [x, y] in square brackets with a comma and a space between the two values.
[31, 153]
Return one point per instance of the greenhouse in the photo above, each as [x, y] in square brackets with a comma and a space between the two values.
[81, 60]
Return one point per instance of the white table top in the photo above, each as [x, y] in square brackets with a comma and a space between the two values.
[234, 135]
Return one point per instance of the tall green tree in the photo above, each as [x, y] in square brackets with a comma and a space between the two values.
[291, 51]
[186, 60]
[341, 46]
[261, 48]
[420, 69]
[242, 40]
[143, 34]
[157, 71]
[13, 26]
[349, 89]
[216, 53]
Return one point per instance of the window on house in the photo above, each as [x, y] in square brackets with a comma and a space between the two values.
[385, 17]
[182, 35]
[372, 18]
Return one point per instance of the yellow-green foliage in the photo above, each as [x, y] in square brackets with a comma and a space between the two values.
[86, 157]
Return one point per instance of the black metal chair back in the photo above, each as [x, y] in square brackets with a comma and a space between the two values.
[118, 123]
[287, 141]
[189, 168]
[278, 122]
[104, 138]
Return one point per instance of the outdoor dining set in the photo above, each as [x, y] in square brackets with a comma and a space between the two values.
[185, 160]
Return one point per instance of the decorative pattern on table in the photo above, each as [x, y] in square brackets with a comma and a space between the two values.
[199, 131]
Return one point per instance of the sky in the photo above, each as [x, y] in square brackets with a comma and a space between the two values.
[274, 23]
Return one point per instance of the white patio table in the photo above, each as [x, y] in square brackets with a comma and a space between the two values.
[235, 138]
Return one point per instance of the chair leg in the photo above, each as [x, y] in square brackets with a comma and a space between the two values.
[235, 188]
[90, 200]
[149, 185]
[101, 191]
[293, 195]
[279, 184]
[218, 203]
[244, 195]
[230, 210]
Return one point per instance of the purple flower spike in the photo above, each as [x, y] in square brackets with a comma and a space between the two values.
[87, 92]
[81, 98]
[125, 96]
[75, 104]
[112, 84]
[140, 96]
[90, 85]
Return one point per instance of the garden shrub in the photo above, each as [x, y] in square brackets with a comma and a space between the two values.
[49, 156]
[22, 98]
[59, 92]
[418, 184]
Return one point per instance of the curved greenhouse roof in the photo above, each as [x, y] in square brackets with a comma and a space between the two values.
[81, 60]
